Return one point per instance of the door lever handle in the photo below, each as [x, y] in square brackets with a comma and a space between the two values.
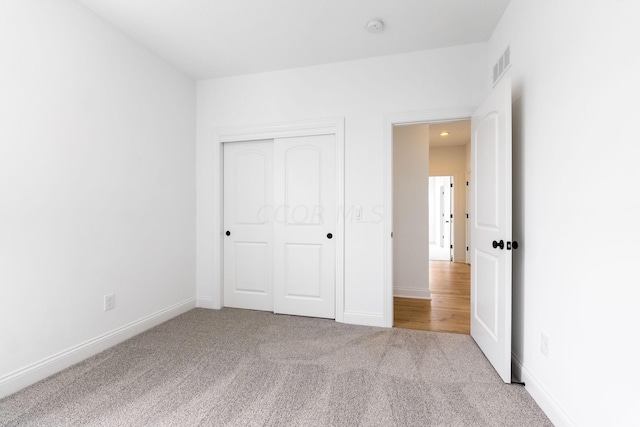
[498, 244]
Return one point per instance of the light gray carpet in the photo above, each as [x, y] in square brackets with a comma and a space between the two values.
[240, 367]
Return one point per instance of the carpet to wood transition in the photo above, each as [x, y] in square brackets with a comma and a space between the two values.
[240, 367]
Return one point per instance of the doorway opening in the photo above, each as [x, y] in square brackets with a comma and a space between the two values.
[440, 218]
[491, 219]
[431, 276]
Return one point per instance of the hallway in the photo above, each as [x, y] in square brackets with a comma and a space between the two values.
[449, 307]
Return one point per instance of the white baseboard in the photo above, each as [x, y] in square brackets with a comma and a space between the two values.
[205, 302]
[547, 403]
[412, 293]
[35, 372]
[366, 319]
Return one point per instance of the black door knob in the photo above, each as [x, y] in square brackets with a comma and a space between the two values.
[329, 235]
[498, 245]
[228, 233]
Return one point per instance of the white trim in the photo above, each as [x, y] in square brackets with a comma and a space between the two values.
[205, 302]
[362, 318]
[211, 209]
[419, 293]
[547, 403]
[340, 204]
[278, 130]
[46, 367]
[413, 117]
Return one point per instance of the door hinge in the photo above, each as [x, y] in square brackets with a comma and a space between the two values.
[452, 185]
[451, 216]
[467, 248]
[450, 246]
[467, 183]
[392, 234]
[467, 215]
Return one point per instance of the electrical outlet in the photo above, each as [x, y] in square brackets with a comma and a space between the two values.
[544, 344]
[109, 302]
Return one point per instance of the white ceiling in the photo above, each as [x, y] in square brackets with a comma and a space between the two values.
[459, 133]
[215, 38]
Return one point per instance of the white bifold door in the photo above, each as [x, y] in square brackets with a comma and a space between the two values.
[280, 216]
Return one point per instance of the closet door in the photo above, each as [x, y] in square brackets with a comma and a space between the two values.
[305, 217]
[248, 225]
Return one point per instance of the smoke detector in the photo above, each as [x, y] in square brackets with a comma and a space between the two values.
[375, 26]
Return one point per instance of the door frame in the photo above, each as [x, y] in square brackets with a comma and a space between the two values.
[210, 206]
[452, 209]
[391, 120]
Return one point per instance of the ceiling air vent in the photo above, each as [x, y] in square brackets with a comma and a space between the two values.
[503, 64]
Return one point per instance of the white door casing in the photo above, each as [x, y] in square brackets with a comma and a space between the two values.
[248, 225]
[305, 219]
[491, 222]
[391, 120]
[210, 209]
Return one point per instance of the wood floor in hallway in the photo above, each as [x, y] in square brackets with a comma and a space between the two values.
[450, 304]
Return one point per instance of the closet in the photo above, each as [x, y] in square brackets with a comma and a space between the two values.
[280, 216]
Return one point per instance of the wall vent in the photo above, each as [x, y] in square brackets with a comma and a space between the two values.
[503, 64]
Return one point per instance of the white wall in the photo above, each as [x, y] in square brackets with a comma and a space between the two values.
[411, 211]
[575, 79]
[363, 92]
[97, 173]
[445, 161]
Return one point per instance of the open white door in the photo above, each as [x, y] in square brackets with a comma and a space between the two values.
[491, 228]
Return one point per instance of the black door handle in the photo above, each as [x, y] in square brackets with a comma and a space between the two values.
[329, 235]
[228, 233]
[498, 245]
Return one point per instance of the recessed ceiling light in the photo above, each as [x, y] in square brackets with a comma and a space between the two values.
[375, 26]
[445, 133]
